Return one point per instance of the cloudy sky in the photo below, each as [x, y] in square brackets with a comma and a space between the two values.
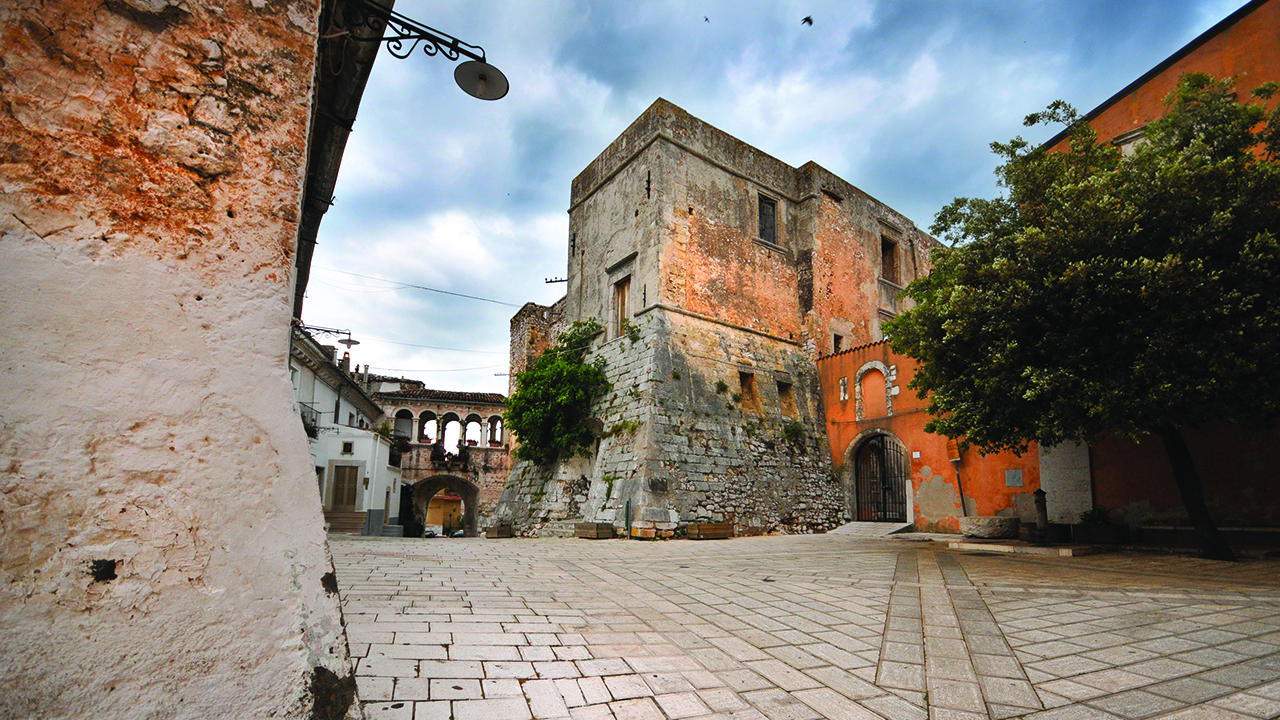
[900, 97]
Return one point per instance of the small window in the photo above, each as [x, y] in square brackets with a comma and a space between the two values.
[786, 399]
[844, 388]
[837, 343]
[747, 385]
[888, 259]
[348, 448]
[768, 220]
[351, 419]
[573, 244]
[621, 306]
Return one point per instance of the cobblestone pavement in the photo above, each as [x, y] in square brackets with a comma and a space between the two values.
[801, 627]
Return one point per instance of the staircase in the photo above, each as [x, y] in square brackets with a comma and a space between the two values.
[350, 523]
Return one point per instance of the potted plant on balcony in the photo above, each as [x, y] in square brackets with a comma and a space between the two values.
[1096, 528]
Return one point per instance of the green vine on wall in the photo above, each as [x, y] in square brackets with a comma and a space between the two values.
[552, 401]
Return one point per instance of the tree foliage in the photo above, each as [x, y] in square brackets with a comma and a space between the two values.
[1105, 292]
[552, 401]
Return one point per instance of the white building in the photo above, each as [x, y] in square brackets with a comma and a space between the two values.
[357, 469]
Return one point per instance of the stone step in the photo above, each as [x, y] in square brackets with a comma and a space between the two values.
[344, 522]
[392, 531]
[871, 529]
[559, 528]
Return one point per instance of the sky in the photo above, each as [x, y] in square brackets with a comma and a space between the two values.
[901, 98]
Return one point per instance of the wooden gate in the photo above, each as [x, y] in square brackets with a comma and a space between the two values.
[882, 473]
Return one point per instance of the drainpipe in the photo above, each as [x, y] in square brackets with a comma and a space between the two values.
[628, 518]
[953, 454]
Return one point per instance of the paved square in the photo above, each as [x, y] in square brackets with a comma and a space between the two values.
[799, 627]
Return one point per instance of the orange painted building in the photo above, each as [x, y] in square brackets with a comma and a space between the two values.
[893, 470]
[1135, 480]
[1245, 45]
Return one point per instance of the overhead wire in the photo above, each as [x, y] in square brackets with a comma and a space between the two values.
[421, 287]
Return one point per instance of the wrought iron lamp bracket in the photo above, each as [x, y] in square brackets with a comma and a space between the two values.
[401, 34]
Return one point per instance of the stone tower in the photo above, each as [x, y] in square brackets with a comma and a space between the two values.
[720, 275]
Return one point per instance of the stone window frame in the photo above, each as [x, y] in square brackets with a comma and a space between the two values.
[844, 388]
[889, 372]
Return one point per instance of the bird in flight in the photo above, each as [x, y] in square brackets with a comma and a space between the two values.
[808, 20]
[706, 19]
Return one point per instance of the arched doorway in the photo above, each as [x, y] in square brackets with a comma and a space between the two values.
[426, 489]
[881, 473]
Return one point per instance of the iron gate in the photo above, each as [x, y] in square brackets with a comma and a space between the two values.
[882, 473]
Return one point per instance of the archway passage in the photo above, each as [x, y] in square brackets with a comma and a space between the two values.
[426, 489]
[881, 474]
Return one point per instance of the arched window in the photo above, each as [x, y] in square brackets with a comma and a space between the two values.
[495, 431]
[451, 431]
[474, 431]
[404, 424]
[428, 428]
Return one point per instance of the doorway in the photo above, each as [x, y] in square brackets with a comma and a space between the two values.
[881, 474]
[344, 487]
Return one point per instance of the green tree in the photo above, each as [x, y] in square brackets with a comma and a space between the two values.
[552, 401]
[1110, 293]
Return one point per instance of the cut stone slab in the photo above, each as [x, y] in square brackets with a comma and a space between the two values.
[989, 527]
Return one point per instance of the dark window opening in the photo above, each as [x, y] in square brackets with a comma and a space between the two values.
[337, 411]
[888, 259]
[648, 183]
[747, 385]
[837, 343]
[621, 303]
[787, 399]
[348, 448]
[573, 244]
[768, 220]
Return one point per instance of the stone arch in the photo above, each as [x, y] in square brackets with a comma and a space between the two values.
[425, 434]
[858, 404]
[403, 423]
[495, 431]
[877, 478]
[426, 488]
[447, 419]
[472, 430]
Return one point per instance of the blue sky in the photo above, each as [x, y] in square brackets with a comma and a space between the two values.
[902, 99]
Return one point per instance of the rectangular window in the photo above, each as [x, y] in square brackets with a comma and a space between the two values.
[348, 448]
[747, 387]
[786, 399]
[337, 411]
[888, 259]
[351, 419]
[621, 306]
[768, 220]
[837, 343]
[844, 388]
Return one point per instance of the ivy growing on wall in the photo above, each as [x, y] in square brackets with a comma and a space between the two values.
[552, 401]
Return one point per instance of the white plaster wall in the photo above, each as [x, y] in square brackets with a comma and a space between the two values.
[1066, 480]
[132, 433]
[150, 183]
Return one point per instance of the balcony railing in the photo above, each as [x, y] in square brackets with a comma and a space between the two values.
[310, 419]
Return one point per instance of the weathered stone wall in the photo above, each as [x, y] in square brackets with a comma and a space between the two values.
[671, 210]
[486, 468]
[681, 450]
[533, 329]
[162, 551]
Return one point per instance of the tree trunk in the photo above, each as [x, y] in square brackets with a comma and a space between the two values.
[1212, 544]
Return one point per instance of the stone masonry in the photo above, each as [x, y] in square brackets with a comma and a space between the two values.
[720, 274]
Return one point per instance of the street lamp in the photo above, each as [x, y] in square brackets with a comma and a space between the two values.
[403, 35]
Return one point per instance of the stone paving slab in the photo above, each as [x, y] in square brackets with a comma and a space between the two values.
[800, 627]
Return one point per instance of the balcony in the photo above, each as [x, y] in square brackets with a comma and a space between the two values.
[889, 294]
[310, 419]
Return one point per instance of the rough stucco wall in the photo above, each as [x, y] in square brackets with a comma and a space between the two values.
[152, 170]
[933, 477]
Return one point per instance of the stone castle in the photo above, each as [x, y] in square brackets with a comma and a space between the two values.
[720, 275]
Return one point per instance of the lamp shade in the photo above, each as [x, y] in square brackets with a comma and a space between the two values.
[481, 80]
